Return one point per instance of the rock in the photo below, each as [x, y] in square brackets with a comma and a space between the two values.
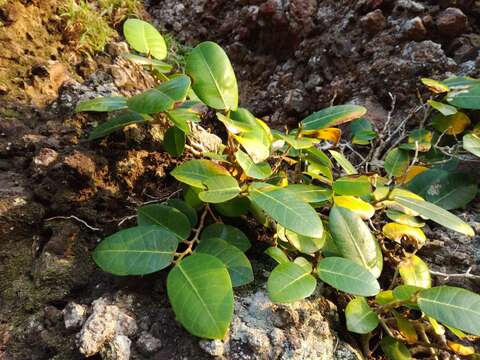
[452, 22]
[74, 315]
[106, 322]
[408, 6]
[263, 330]
[212, 347]
[148, 344]
[295, 100]
[117, 48]
[117, 349]
[373, 22]
[45, 158]
[345, 351]
[414, 29]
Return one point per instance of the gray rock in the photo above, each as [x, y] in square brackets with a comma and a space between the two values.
[117, 349]
[106, 323]
[74, 315]
[148, 344]
[212, 347]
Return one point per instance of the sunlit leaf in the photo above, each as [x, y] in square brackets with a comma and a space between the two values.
[277, 254]
[307, 265]
[290, 282]
[437, 214]
[404, 219]
[220, 188]
[332, 135]
[332, 116]
[465, 98]
[435, 86]
[255, 171]
[471, 143]
[200, 292]
[305, 244]
[141, 60]
[414, 271]
[144, 38]
[343, 162]
[396, 162]
[136, 251]
[116, 123]
[355, 204]
[195, 172]
[444, 109]
[348, 276]
[452, 306]
[214, 80]
[411, 173]
[360, 317]
[354, 186]
[459, 349]
[102, 104]
[310, 193]
[396, 232]
[453, 124]
[354, 239]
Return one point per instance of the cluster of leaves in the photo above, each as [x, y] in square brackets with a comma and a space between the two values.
[318, 208]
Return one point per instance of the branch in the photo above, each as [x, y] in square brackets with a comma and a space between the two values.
[76, 219]
[465, 275]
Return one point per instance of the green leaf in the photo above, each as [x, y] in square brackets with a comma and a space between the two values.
[396, 162]
[471, 143]
[461, 81]
[234, 259]
[307, 265]
[181, 117]
[161, 66]
[186, 209]
[354, 186]
[102, 104]
[356, 205]
[233, 208]
[360, 317]
[230, 234]
[190, 195]
[332, 116]
[394, 349]
[174, 141]
[150, 102]
[277, 254]
[343, 162]
[294, 141]
[255, 171]
[213, 77]
[452, 125]
[136, 251]
[444, 109]
[465, 99]
[195, 172]
[258, 150]
[289, 282]
[347, 276]
[220, 188]
[444, 188]
[354, 239]
[452, 306]
[116, 123]
[200, 292]
[176, 88]
[144, 38]
[435, 213]
[404, 219]
[406, 292]
[317, 155]
[284, 207]
[166, 217]
[414, 271]
[310, 193]
[305, 244]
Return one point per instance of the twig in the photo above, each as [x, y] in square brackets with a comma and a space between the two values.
[465, 275]
[74, 218]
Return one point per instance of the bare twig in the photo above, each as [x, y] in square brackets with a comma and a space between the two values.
[76, 219]
[465, 275]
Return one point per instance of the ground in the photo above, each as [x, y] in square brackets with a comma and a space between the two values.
[60, 194]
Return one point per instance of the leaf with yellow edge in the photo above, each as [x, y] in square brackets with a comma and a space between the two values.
[411, 173]
[435, 86]
[460, 349]
[471, 143]
[444, 109]
[343, 162]
[405, 327]
[458, 333]
[330, 134]
[414, 271]
[453, 124]
[396, 232]
[356, 205]
[404, 219]
[439, 329]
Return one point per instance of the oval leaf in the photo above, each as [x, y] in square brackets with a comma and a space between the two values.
[347, 276]
[200, 292]
[357, 205]
[136, 251]
[116, 123]
[196, 172]
[284, 207]
[452, 306]
[144, 38]
[174, 141]
[465, 99]
[360, 317]
[452, 124]
[186, 209]
[220, 188]
[396, 162]
[234, 259]
[343, 162]
[166, 217]
[414, 271]
[255, 171]
[102, 104]
[213, 77]
[332, 116]
[230, 234]
[354, 239]
[354, 186]
[310, 193]
[394, 349]
[471, 143]
[289, 282]
[277, 254]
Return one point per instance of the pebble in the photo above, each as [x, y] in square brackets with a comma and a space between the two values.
[452, 22]
[373, 22]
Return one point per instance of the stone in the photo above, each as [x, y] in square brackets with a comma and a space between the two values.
[452, 22]
[212, 347]
[117, 349]
[45, 158]
[373, 22]
[414, 29]
[74, 315]
[148, 344]
[295, 100]
[106, 323]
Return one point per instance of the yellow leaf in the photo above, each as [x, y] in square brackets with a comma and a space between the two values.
[411, 173]
[396, 232]
[435, 86]
[439, 329]
[356, 205]
[405, 328]
[460, 349]
[414, 272]
[331, 134]
[453, 124]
